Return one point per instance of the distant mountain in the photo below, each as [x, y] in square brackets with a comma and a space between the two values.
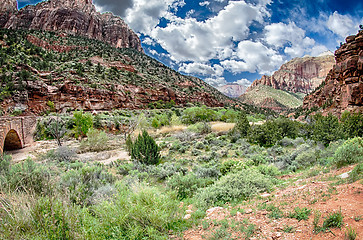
[300, 75]
[342, 89]
[275, 99]
[74, 17]
[233, 90]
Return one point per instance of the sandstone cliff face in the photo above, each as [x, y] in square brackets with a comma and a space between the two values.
[232, 90]
[7, 8]
[300, 75]
[72, 17]
[343, 87]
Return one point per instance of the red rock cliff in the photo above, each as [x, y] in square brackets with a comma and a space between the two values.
[70, 16]
[343, 87]
[299, 75]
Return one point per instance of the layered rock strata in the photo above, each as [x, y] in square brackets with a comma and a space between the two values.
[76, 17]
[300, 75]
[343, 87]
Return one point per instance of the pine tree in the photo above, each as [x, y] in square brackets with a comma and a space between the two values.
[145, 150]
[242, 126]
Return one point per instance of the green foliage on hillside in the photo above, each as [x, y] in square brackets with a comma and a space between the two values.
[283, 99]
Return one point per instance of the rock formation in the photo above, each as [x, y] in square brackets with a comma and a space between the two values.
[77, 17]
[232, 90]
[300, 75]
[343, 87]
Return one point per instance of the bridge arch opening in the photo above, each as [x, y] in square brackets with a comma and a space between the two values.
[12, 141]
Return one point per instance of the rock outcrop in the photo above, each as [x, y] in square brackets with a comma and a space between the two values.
[76, 17]
[7, 8]
[300, 75]
[343, 87]
[232, 90]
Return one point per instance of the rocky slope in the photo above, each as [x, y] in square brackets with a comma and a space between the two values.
[343, 87]
[81, 73]
[232, 90]
[77, 17]
[300, 75]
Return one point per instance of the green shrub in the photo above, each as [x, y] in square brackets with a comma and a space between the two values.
[242, 126]
[350, 152]
[352, 124]
[145, 150]
[55, 219]
[29, 177]
[165, 170]
[333, 220]
[186, 186]
[83, 122]
[356, 174]
[96, 141]
[141, 212]
[198, 114]
[326, 129]
[300, 213]
[234, 187]
[200, 128]
[268, 170]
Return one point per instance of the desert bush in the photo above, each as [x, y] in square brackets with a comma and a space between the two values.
[96, 141]
[64, 154]
[350, 152]
[200, 128]
[207, 171]
[145, 150]
[165, 170]
[234, 187]
[187, 185]
[80, 184]
[268, 170]
[29, 177]
[83, 122]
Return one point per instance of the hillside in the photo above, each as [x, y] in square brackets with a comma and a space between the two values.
[42, 71]
[343, 87]
[71, 17]
[269, 97]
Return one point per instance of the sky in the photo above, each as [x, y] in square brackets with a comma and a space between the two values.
[235, 41]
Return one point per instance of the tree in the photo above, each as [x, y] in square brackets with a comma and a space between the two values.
[242, 126]
[326, 129]
[83, 122]
[145, 150]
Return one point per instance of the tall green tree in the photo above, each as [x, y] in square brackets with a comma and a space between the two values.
[145, 150]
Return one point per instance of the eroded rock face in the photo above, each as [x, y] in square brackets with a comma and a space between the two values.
[299, 75]
[232, 90]
[72, 17]
[7, 8]
[343, 87]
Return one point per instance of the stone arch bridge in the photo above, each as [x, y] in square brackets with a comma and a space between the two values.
[16, 132]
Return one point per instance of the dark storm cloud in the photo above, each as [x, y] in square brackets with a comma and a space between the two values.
[117, 7]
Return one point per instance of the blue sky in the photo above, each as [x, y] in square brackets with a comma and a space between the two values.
[237, 41]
